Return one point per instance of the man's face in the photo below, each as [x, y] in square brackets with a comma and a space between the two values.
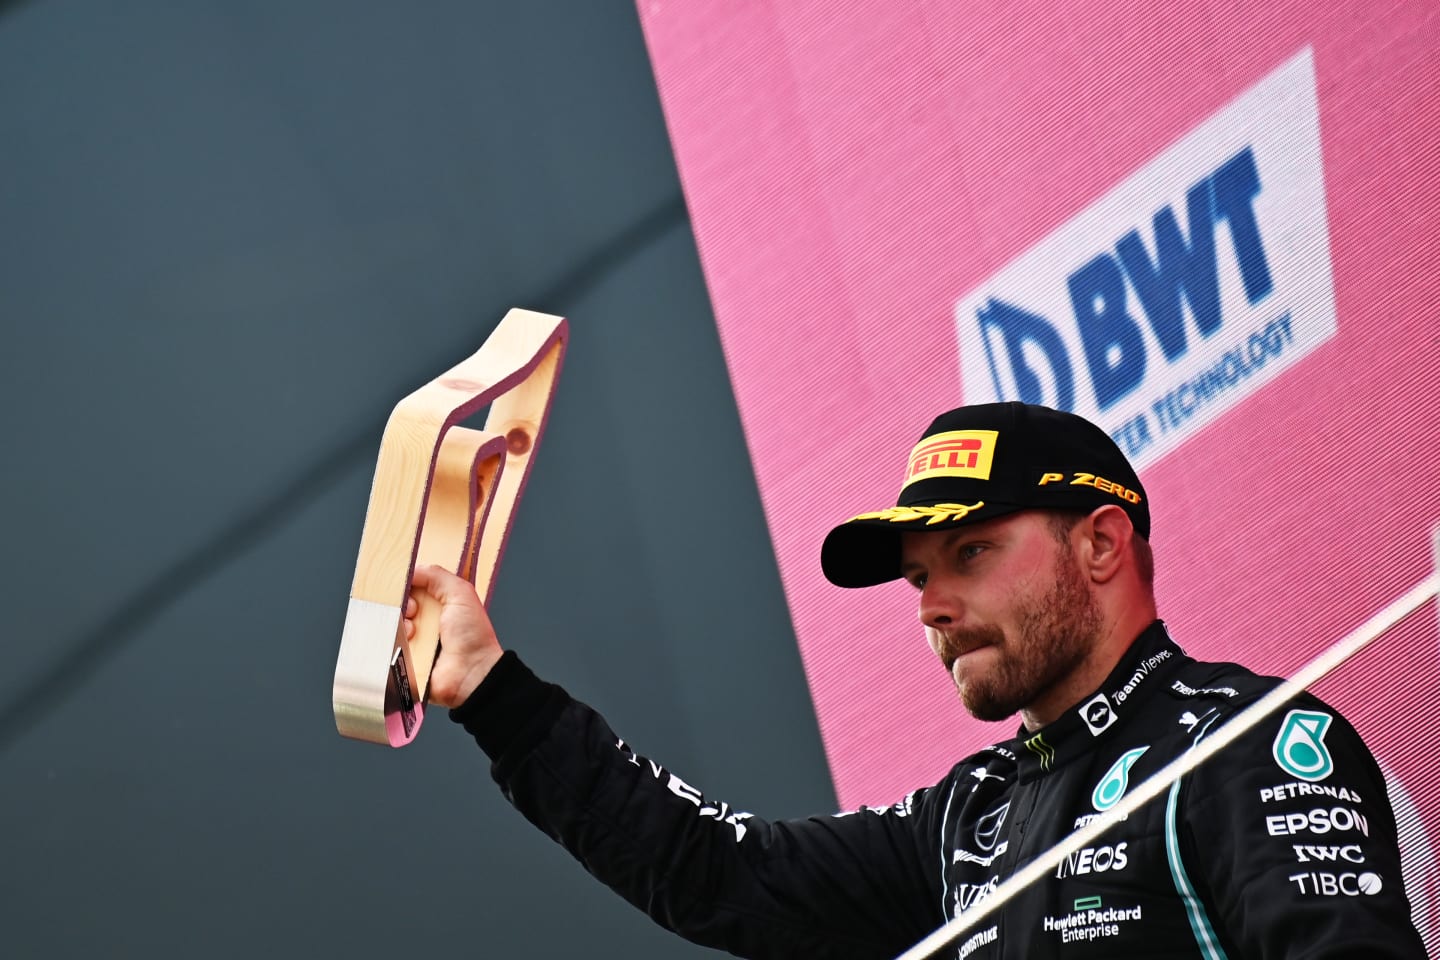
[1005, 607]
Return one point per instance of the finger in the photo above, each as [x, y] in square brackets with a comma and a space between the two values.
[440, 583]
[409, 629]
[412, 606]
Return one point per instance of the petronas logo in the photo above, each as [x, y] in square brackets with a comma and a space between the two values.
[1300, 745]
[1116, 781]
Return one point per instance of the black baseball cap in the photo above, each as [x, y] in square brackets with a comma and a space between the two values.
[980, 462]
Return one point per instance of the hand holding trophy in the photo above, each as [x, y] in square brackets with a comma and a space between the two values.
[443, 494]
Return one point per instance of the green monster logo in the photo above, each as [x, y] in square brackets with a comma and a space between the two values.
[1041, 749]
[1116, 781]
[1300, 745]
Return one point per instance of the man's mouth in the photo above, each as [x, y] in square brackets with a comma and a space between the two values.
[957, 647]
[955, 658]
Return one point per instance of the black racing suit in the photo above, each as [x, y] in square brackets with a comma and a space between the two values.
[1283, 845]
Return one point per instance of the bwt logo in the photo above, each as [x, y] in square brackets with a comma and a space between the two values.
[1185, 269]
[1177, 295]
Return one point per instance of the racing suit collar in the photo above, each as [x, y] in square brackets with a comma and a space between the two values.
[1135, 679]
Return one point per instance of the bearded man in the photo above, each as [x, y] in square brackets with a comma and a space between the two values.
[1025, 533]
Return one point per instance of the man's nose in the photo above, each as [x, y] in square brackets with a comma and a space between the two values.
[938, 606]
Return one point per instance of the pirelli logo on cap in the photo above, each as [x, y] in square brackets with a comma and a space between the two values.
[955, 453]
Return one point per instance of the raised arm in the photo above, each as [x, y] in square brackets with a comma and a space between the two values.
[852, 886]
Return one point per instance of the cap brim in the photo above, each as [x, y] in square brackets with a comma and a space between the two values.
[863, 553]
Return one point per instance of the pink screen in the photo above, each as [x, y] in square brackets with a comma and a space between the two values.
[1208, 228]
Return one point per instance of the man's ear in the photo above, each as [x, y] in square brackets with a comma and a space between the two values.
[1106, 535]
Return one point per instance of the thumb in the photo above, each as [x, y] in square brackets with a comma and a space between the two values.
[440, 583]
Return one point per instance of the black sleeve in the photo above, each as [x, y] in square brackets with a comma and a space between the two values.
[860, 885]
[1289, 844]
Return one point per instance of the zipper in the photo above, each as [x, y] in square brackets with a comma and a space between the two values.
[1022, 808]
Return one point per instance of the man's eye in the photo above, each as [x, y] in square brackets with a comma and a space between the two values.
[970, 551]
[917, 581]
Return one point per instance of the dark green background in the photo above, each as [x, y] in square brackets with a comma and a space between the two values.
[231, 237]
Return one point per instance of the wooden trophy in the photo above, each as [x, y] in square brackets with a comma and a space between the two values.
[442, 494]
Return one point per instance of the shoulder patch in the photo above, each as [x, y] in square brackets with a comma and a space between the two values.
[1299, 747]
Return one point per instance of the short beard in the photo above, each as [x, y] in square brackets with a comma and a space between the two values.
[1057, 632]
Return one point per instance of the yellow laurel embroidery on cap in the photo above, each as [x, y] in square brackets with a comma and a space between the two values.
[936, 514]
[954, 453]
